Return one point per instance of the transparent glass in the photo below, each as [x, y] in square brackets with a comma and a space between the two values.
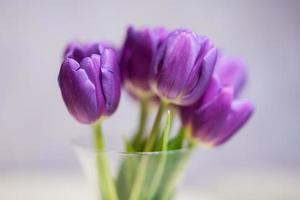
[132, 176]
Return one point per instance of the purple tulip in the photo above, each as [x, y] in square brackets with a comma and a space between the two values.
[183, 67]
[231, 71]
[137, 54]
[89, 80]
[217, 115]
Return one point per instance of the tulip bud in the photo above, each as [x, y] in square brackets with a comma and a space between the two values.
[217, 117]
[231, 71]
[89, 80]
[137, 54]
[183, 67]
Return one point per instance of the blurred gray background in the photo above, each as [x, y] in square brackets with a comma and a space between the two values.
[35, 128]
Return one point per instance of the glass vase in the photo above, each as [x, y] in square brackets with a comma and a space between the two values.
[132, 176]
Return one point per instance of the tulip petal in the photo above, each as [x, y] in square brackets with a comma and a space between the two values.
[139, 63]
[91, 65]
[126, 52]
[180, 54]
[78, 92]
[232, 71]
[137, 56]
[110, 80]
[213, 89]
[206, 70]
[76, 51]
[205, 46]
[91, 68]
[208, 120]
[70, 48]
[94, 48]
[79, 51]
[240, 113]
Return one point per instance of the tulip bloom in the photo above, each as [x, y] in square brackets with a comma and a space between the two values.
[183, 67]
[217, 115]
[89, 80]
[137, 54]
[217, 119]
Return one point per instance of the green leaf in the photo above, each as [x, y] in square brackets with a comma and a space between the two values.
[177, 141]
[128, 146]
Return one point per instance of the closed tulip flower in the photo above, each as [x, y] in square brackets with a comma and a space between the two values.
[218, 115]
[217, 119]
[137, 54]
[183, 67]
[89, 80]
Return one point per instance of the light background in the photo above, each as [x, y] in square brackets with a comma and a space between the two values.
[35, 128]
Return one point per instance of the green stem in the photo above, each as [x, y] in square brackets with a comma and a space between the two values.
[138, 136]
[139, 178]
[125, 176]
[171, 183]
[108, 190]
[157, 176]
[98, 136]
[155, 128]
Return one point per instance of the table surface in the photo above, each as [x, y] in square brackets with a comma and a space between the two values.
[65, 186]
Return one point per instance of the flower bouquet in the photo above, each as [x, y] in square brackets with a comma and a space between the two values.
[181, 73]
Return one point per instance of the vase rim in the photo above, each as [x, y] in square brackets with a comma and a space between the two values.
[79, 144]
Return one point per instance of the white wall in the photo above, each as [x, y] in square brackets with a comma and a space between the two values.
[35, 127]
